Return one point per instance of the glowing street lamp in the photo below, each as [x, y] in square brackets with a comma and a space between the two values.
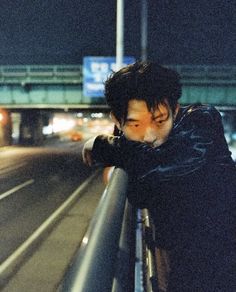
[1, 117]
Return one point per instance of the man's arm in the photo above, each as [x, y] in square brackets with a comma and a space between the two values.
[189, 147]
[103, 150]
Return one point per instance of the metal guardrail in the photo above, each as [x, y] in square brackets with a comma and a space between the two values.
[139, 282]
[216, 74]
[117, 253]
[97, 266]
[149, 260]
[41, 74]
[72, 74]
[145, 264]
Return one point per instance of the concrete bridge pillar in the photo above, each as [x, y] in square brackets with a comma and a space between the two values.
[31, 127]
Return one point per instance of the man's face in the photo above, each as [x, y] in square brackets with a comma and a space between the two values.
[152, 127]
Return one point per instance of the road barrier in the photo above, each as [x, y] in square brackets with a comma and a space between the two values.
[104, 255]
[117, 251]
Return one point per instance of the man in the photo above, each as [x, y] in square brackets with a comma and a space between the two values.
[180, 169]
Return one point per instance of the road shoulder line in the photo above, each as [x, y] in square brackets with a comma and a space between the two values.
[16, 188]
[10, 265]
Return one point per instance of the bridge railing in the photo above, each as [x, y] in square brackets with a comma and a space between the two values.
[206, 73]
[61, 86]
[43, 74]
[117, 253]
[105, 256]
[73, 73]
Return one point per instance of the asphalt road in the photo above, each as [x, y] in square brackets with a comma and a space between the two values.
[34, 182]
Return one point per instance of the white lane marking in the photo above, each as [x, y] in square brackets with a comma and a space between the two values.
[15, 189]
[12, 167]
[21, 250]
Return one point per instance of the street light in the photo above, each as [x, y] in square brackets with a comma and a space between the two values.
[144, 29]
[119, 34]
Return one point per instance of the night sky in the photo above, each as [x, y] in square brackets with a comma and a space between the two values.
[64, 31]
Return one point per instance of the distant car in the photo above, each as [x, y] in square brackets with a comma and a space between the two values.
[76, 136]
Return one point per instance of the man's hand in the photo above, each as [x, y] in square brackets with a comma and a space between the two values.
[87, 152]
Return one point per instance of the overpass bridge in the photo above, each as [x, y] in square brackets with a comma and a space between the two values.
[35, 91]
[60, 86]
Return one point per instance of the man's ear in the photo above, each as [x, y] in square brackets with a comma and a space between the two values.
[115, 121]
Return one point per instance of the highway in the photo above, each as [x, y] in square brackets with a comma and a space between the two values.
[34, 182]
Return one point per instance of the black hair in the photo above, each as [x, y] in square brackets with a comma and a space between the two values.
[146, 81]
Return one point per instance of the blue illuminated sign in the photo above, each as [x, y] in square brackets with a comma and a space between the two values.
[95, 72]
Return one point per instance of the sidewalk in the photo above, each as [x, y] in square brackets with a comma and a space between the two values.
[44, 270]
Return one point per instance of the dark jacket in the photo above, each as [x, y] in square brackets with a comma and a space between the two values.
[189, 186]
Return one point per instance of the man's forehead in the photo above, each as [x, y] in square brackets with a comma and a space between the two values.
[140, 107]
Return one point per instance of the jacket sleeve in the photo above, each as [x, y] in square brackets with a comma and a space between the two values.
[107, 151]
[197, 139]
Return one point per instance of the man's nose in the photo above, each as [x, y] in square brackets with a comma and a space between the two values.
[149, 136]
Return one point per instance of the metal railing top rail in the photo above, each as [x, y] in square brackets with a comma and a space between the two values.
[41, 74]
[206, 74]
[95, 264]
[206, 69]
[38, 67]
[74, 73]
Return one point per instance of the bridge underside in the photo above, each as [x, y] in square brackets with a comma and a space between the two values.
[71, 96]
